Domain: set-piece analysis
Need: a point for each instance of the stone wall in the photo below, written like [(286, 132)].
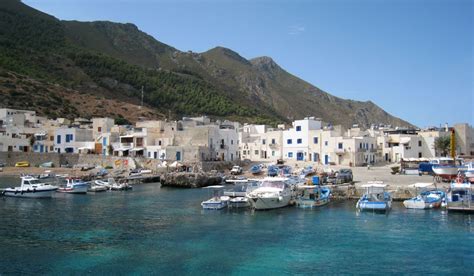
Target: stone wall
[(35, 159)]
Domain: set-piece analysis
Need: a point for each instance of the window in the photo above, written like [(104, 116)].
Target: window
[(298, 128), (256, 152), (420, 155), (51, 138), (104, 141), (273, 153), (58, 139), (99, 129), (149, 154), (263, 141), (315, 140), (289, 141), (299, 141), (51, 148), (325, 143), (273, 141), (360, 145), (159, 143), (419, 143), (290, 154), (231, 142), (69, 138), (339, 146)]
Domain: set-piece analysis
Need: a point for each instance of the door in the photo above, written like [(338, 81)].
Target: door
[(299, 156), (316, 157), (41, 148), (326, 159), (178, 156)]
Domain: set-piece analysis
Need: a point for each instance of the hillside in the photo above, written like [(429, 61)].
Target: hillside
[(113, 61)]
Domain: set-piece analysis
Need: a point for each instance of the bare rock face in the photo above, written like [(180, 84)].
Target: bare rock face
[(189, 180)]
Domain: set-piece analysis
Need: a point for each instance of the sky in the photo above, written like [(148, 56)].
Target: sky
[(413, 58)]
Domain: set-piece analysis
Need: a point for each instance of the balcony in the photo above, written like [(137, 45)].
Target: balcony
[(339, 151)]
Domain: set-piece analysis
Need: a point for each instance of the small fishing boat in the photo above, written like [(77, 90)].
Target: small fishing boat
[(426, 199), (284, 170), (73, 186), (105, 183), (238, 193), (446, 168), (375, 198), (22, 164), (123, 186), (460, 197), (256, 169), (309, 196), (217, 201), (272, 170), (97, 188), (31, 187), (272, 193)]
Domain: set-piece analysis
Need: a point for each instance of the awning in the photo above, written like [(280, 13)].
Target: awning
[(122, 149), (137, 149)]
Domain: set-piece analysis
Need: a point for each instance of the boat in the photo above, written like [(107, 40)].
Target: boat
[(272, 170), (284, 170), (256, 169), (105, 183), (272, 193), (73, 186), (123, 186), (469, 172), (460, 197), (97, 188), (426, 199), (31, 187), (238, 193), (309, 196), (22, 164), (308, 170), (217, 201), (446, 168), (375, 199)]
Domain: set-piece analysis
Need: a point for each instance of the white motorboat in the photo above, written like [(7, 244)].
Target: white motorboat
[(375, 199), (97, 188), (105, 183), (31, 188), (73, 186), (460, 197), (426, 199), (217, 201), (272, 193), (469, 173)]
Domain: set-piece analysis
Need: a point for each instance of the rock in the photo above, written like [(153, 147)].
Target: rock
[(189, 180)]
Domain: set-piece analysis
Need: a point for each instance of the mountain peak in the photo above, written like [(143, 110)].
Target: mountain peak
[(265, 63), (222, 51)]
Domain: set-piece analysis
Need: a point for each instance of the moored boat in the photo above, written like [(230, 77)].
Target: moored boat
[(73, 186), (309, 196), (97, 188), (446, 168), (272, 170), (217, 201), (426, 199), (469, 173), (460, 197), (31, 187), (375, 198), (272, 193)]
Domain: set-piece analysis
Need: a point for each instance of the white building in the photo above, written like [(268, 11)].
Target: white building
[(73, 140), (296, 139)]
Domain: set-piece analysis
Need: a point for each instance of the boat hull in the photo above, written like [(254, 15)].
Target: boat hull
[(446, 172), (267, 203), (46, 193), (216, 205), (239, 202), (78, 189), (309, 203), (374, 206), (419, 204)]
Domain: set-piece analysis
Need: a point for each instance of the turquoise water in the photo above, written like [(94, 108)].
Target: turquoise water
[(153, 230)]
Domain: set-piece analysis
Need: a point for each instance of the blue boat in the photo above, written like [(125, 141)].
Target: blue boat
[(285, 170), (375, 199), (256, 169), (309, 196), (272, 170), (427, 199)]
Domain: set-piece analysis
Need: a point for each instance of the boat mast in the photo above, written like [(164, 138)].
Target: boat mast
[(453, 145)]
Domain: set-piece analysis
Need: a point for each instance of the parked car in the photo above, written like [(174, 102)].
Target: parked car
[(236, 170), (2, 165), (344, 176)]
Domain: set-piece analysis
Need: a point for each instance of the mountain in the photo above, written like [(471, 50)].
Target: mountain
[(113, 61)]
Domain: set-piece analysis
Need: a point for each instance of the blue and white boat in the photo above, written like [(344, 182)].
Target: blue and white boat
[(217, 201), (31, 187), (272, 170), (73, 186), (309, 196), (375, 198), (426, 199), (460, 197), (256, 169)]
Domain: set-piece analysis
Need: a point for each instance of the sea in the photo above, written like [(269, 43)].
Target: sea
[(164, 231)]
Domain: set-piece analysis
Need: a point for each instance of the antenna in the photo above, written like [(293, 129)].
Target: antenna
[(142, 98)]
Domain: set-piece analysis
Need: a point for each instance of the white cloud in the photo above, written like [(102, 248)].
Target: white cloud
[(296, 29)]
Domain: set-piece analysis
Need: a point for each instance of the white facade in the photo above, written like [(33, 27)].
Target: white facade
[(296, 139), (73, 140)]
